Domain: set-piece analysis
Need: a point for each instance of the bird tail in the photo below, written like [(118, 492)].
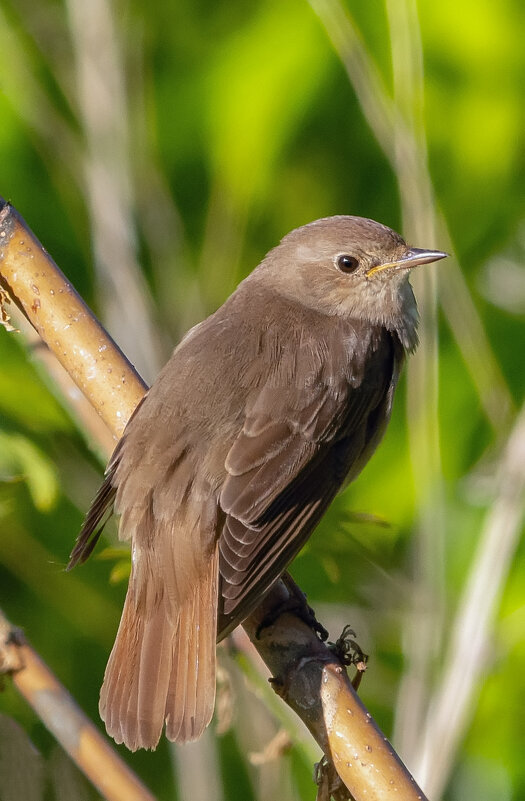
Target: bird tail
[(162, 668)]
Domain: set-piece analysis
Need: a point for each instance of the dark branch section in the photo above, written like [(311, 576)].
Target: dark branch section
[(294, 652)]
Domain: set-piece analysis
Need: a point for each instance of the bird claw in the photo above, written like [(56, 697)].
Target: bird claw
[(349, 652), (295, 604)]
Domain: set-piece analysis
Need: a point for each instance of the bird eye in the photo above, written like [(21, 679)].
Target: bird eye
[(346, 263)]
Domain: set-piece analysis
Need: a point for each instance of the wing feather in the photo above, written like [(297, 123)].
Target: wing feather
[(288, 463)]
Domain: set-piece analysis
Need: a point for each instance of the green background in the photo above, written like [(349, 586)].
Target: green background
[(158, 151)]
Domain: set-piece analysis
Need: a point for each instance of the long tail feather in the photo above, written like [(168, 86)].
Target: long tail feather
[(162, 669)]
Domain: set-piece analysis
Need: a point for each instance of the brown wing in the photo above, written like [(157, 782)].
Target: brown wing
[(101, 507), (298, 444)]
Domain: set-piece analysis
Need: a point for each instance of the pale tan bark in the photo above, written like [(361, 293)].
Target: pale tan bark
[(60, 714)]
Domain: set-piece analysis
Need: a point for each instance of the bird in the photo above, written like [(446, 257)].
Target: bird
[(264, 411)]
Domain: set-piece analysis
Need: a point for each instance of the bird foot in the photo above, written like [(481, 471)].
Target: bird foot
[(349, 652), (295, 604)]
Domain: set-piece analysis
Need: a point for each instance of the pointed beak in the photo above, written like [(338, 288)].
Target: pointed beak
[(411, 258)]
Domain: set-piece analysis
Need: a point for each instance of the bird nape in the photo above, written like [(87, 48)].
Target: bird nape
[(262, 413)]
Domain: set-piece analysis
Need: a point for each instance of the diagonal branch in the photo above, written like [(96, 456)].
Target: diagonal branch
[(67, 326), (77, 735)]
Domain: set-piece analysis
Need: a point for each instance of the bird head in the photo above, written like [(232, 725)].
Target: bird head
[(351, 267)]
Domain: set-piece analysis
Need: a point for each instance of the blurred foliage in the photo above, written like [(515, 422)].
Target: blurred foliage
[(213, 129)]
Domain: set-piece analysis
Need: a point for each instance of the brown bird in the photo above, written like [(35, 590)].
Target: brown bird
[(262, 413)]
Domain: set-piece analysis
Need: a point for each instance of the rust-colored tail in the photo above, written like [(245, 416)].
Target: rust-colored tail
[(162, 668)]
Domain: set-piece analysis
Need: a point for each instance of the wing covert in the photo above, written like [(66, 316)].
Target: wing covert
[(296, 447)]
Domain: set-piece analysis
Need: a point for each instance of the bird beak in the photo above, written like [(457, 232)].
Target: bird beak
[(411, 258)]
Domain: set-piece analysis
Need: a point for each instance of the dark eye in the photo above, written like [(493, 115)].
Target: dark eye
[(347, 264)]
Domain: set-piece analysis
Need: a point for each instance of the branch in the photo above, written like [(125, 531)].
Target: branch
[(59, 712), (300, 661), (312, 680), (61, 318)]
